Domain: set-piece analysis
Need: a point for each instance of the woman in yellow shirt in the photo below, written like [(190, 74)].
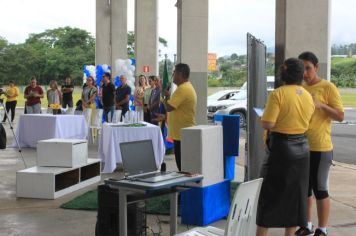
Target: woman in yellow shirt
[(329, 107), (283, 198), (11, 93)]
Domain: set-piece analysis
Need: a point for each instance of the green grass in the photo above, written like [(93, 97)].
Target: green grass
[(342, 61), (348, 99)]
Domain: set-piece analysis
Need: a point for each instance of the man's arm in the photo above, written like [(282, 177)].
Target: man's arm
[(168, 107), (331, 112)]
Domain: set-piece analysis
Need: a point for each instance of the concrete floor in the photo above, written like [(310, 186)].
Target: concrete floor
[(44, 217)]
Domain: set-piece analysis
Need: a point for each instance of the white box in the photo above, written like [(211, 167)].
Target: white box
[(54, 182), (62, 152), (202, 152)]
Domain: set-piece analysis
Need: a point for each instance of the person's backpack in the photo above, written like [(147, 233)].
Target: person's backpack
[(2, 137)]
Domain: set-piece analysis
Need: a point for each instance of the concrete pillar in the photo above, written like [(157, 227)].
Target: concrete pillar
[(118, 31), (146, 36), (192, 48), (102, 38), (303, 25), (111, 31)]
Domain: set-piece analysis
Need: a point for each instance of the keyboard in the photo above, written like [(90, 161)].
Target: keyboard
[(153, 175)]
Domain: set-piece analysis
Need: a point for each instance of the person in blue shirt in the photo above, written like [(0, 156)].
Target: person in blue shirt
[(122, 96)]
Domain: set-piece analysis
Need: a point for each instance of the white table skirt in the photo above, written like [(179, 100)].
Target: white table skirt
[(109, 148), (34, 127)]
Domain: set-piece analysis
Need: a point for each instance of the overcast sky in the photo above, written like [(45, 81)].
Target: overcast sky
[(229, 21)]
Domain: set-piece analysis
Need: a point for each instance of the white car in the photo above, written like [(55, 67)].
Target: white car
[(221, 95), (237, 104)]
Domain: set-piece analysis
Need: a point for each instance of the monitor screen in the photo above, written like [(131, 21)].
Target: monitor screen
[(138, 157)]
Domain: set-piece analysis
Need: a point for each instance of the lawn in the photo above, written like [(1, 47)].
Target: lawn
[(349, 99)]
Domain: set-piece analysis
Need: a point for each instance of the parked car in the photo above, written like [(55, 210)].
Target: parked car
[(237, 104), (221, 95)]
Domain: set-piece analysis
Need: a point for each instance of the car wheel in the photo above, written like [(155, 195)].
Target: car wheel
[(242, 118)]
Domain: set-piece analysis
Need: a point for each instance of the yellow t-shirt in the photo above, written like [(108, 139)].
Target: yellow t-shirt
[(184, 100), (13, 92), (319, 133), (290, 107)]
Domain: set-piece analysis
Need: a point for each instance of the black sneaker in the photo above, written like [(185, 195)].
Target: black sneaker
[(304, 231), (319, 232)]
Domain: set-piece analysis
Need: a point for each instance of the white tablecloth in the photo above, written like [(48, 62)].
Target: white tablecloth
[(109, 148), (34, 127)]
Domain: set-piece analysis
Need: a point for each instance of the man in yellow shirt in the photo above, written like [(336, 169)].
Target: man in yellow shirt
[(11, 93), (180, 107), (328, 107)]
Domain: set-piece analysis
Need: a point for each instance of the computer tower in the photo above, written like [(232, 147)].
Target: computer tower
[(108, 214)]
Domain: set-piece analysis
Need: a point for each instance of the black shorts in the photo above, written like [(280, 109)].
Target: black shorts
[(320, 163)]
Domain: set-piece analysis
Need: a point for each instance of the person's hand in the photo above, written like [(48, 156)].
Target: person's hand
[(159, 117), (317, 103), (167, 94)]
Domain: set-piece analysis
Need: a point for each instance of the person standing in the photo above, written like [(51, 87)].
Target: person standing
[(108, 97), (54, 96), (155, 100), (11, 93), (33, 93), (181, 107), (139, 95), (329, 107), (67, 91), (88, 98), (283, 198), (122, 96), (146, 99)]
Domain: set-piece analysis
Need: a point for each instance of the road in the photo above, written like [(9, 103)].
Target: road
[(344, 139)]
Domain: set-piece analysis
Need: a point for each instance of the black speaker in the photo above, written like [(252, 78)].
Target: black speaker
[(108, 214)]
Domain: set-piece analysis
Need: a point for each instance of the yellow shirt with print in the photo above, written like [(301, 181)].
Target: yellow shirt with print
[(290, 107), (184, 100), (12, 93), (319, 133)]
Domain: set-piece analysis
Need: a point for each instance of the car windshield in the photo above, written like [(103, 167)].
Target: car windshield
[(217, 95), (242, 95)]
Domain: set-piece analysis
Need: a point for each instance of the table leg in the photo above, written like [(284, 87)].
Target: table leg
[(122, 212), (173, 213)]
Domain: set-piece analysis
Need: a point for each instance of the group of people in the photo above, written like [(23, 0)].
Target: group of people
[(147, 97), (34, 93), (298, 119)]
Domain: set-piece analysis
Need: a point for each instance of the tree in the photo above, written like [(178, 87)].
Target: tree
[(131, 43), (234, 56)]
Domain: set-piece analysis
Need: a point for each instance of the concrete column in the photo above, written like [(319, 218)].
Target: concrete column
[(102, 39), (118, 31), (146, 36), (192, 48), (304, 25), (111, 31)]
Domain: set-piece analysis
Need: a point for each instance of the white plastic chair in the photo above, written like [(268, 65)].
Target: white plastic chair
[(242, 215), (96, 125)]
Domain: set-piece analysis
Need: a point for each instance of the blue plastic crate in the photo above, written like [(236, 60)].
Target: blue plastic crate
[(204, 205)]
